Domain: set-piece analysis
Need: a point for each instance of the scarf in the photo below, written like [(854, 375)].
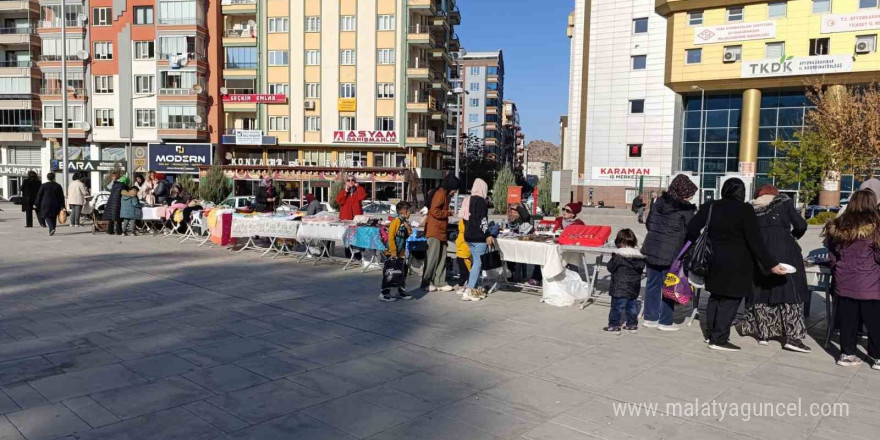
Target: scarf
[(763, 200), (479, 189)]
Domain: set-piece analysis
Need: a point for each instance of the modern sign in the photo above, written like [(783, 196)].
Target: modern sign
[(18, 170), (248, 137), (179, 158), (617, 173), (255, 99), (365, 136), (860, 21), (347, 105), (735, 32), (792, 66)]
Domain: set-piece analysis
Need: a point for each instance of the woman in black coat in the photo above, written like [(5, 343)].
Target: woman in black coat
[(49, 202), (736, 247), (777, 309), (114, 204), (29, 189)]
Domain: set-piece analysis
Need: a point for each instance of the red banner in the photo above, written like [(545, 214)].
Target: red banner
[(258, 99)]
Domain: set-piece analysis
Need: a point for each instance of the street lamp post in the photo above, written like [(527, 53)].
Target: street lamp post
[(64, 142), (701, 159)]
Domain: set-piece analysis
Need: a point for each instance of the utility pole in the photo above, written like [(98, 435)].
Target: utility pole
[(64, 94)]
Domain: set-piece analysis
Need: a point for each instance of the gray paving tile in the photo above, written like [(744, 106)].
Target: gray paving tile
[(347, 348), (355, 416), (473, 374), (274, 368), (82, 358), (24, 395), (30, 348), (529, 354), (216, 416), (8, 431), (80, 383), (235, 349), (173, 424), (90, 411), (7, 405), (267, 401), (295, 426), (159, 366), (291, 338), (225, 378), (499, 421), (538, 396), (45, 422), (432, 388), (143, 399), (408, 405), (26, 369), (434, 427)]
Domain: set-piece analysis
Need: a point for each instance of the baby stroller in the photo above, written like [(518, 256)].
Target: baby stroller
[(94, 210)]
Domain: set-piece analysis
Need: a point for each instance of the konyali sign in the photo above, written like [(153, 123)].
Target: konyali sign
[(793, 66)]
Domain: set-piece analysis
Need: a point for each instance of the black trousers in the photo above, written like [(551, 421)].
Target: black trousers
[(51, 222), (720, 312), (29, 216), (851, 313), (114, 227)]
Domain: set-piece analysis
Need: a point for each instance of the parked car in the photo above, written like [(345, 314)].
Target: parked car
[(814, 210), (379, 207), (16, 199), (237, 202)]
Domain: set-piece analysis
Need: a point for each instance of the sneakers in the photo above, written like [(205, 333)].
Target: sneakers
[(612, 330), (403, 295), (473, 294), (432, 288), (51, 232), (632, 329), (850, 360), (876, 364), (650, 324), (727, 346), (387, 297), (796, 345), (446, 288), (668, 328), (764, 341)]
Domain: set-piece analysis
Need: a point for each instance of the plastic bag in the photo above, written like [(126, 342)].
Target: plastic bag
[(676, 286), (564, 291)]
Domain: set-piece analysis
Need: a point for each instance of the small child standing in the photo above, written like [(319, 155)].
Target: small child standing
[(398, 232), (463, 257), (626, 267), (130, 211)]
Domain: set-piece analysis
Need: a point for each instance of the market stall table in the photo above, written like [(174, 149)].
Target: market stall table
[(584, 253), (273, 227), (367, 238), (320, 235)]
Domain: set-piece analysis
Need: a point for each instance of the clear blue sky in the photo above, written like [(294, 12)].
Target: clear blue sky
[(536, 52)]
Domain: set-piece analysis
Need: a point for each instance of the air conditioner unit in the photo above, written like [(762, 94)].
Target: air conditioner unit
[(309, 105), (865, 46), (729, 55)]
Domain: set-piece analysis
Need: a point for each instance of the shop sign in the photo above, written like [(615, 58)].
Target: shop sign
[(735, 32), (617, 173), (248, 137), (18, 170), (514, 195), (94, 165), (365, 136), (309, 175), (255, 99), (860, 21), (792, 66), (238, 2), (179, 158), (347, 105), (747, 169)]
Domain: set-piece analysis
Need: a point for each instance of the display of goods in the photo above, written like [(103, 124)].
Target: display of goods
[(585, 235)]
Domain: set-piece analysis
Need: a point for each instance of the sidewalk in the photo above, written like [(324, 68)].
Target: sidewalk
[(142, 338)]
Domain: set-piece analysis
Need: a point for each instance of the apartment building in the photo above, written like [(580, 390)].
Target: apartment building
[(313, 89), (512, 138), (620, 125), (482, 79)]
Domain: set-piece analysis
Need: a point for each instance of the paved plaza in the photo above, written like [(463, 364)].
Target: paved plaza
[(144, 338)]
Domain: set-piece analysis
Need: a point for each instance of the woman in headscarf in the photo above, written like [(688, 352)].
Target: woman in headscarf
[(436, 223), (29, 189), (569, 217), (737, 249), (313, 206), (777, 308), (667, 228), (266, 196), (475, 213)]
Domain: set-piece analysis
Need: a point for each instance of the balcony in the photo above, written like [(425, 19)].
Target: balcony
[(182, 130), (454, 16), (241, 36), (242, 69), (454, 44), (235, 7), (16, 68), (53, 129), (19, 133), (55, 92), (423, 6), (417, 68), (425, 138), (420, 36), (421, 102), (181, 22), (54, 25), (17, 35), (18, 6)]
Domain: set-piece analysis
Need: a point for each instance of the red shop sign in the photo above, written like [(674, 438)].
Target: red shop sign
[(259, 99)]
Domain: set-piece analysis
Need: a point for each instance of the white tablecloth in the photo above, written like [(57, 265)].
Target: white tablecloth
[(264, 226), (321, 231), (546, 255), (153, 212)]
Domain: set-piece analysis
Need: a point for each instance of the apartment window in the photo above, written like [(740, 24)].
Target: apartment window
[(867, 4), (695, 18), (347, 57), (279, 123), (279, 57), (143, 15), (104, 117), (313, 24), (693, 56), (313, 90), (347, 90), (474, 87), (386, 22), (102, 16), (348, 23), (385, 91), (473, 117), (736, 52), (144, 50), (313, 123), (144, 84), (181, 12), (313, 58), (475, 102), (636, 106), (52, 116), (819, 46), (640, 26), (869, 41), (639, 62), (385, 123), (475, 70), (734, 14), (103, 50), (778, 9), (354, 158), (145, 118), (774, 50), (492, 70), (820, 6), (279, 89), (279, 24), (103, 84), (347, 123), (385, 56)]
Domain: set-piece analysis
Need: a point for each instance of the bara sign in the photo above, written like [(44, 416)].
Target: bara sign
[(179, 158), (859, 21), (761, 30), (619, 173), (792, 66), (255, 99), (365, 136)]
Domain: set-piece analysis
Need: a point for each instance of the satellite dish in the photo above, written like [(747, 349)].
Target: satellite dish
[(70, 89), (224, 91), (86, 126), (252, 24), (83, 54), (82, 17), (228, 156), (198, 119), (197, 89), (182, 60)]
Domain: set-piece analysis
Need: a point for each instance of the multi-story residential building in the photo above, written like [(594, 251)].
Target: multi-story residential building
[(313, 89), (621, 116), (482, 78), (740, 68), (512, 138)]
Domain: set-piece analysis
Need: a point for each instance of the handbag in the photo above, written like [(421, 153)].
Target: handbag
[(491, 260), (676, 286), (394, 273), (62, 216), (699, 257)]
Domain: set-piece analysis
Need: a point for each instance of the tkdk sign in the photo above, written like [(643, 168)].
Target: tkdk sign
[(614, 173), (792, 66), (179, 158), (735, 32), (365, 136)]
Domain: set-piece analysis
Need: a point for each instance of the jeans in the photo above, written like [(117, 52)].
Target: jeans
[(128, 225), (624, 308), (435, 265), (657, 308), (641, 214), (477, 251), (75, 212), (51, 222)]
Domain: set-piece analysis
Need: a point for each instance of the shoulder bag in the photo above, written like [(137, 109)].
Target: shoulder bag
[(699, 257)]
